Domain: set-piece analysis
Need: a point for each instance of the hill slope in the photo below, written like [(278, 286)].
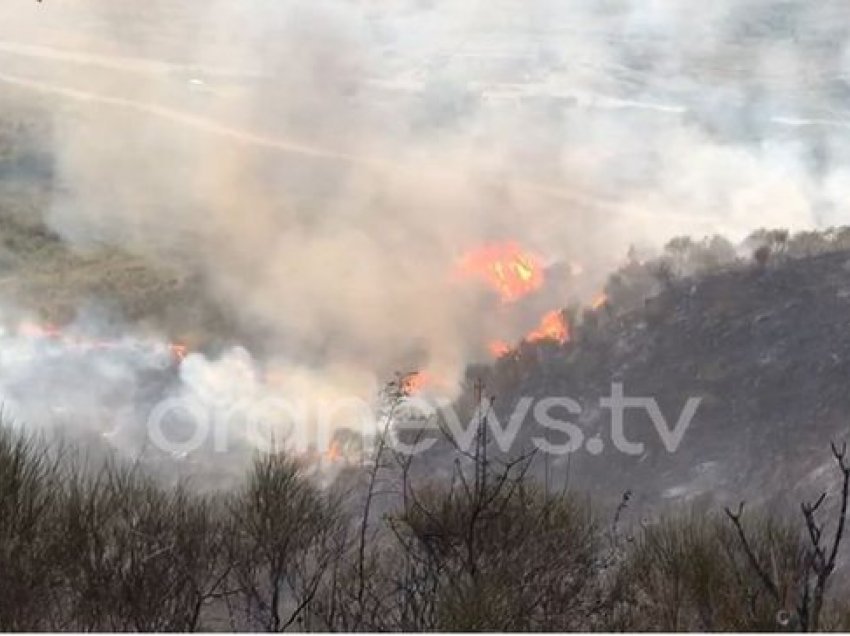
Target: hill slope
[(767, 350)]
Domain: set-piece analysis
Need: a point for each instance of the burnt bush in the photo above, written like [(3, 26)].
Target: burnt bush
[(94, 547)]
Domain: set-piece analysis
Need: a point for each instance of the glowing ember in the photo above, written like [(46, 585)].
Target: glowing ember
[(334, 453), (416, 382), (599, 301), (553, 326), (53, 333), (508, 269), (32, 330), (178, 351)]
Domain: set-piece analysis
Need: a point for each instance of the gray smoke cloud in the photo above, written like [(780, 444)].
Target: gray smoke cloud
[(325, 163)]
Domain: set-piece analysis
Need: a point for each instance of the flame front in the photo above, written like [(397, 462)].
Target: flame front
[(33, 330), (178, 351), (553, 326), (506, 268), (53, 333)]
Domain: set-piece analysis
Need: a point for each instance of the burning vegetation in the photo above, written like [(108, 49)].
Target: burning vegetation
[(514, 273), (57, 336), (506, 268), (553, 327)]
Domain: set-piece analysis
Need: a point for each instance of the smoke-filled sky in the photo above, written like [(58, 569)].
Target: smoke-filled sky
[(324, 163)]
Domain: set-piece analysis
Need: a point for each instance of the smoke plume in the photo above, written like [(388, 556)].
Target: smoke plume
[(324, 165)]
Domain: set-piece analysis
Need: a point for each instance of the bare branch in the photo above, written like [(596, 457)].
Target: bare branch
[(768, 583)]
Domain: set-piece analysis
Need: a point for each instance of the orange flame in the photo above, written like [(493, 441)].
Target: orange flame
[(599, 301), (553, 326), (499, 348), (508, 269), (178, 351), (416, 382), (334, 452), (50, 331), (33, 330)]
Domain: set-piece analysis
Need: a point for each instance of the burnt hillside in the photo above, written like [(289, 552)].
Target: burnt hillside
[(767, 349)]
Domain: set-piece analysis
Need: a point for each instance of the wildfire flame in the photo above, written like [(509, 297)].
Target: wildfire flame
[(499, 348), (178, 351), (600, 301), (416, 382), (55, 333), (334, 453), (508, 269), (553, 326), (32, 330)]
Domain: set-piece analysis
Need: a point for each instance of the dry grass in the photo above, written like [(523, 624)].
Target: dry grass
[(93, 547), (47, 278)]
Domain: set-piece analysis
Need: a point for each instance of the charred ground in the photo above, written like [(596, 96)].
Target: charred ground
[(766, 347)]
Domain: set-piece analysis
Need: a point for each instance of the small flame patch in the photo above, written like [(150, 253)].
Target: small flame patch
[(506, 268)]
